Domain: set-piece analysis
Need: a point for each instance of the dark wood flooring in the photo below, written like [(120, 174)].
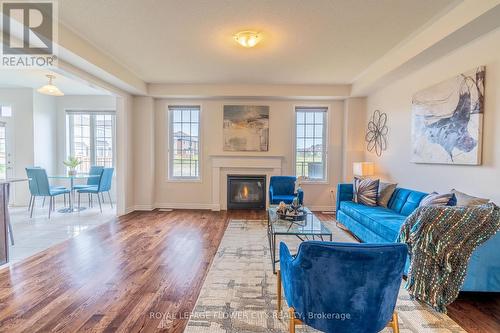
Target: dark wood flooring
[(126, 275)]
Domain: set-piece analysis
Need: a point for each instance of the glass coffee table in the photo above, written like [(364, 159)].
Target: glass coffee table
[(303, 230)]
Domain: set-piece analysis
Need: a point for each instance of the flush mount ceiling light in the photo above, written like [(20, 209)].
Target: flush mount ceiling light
[(247, 38), (50, 89)]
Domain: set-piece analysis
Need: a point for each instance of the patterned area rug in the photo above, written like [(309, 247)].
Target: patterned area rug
[(239, 293)]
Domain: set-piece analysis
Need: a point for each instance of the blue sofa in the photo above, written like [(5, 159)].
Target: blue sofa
[(381, 225)]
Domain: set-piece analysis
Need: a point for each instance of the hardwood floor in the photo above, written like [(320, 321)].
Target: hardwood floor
[(127, 275)]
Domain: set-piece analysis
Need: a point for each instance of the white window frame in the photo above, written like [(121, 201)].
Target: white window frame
[(326, 141), (170, 140), (70, 129)]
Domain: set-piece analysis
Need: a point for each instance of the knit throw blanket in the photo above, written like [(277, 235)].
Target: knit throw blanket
[(441, 241)]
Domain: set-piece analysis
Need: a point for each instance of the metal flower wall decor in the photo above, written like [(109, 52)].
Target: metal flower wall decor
[(376, 135)]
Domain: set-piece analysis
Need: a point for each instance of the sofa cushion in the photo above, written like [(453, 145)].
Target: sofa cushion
[(405, 201), (382, 221), (436, 199)]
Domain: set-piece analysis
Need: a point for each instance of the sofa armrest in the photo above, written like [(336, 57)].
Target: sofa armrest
[(344, 193)]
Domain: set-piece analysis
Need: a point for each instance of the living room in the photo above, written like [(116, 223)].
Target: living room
[(281, 166)]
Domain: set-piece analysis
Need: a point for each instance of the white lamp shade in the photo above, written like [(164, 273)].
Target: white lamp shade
[(50, 90), (363, 169)]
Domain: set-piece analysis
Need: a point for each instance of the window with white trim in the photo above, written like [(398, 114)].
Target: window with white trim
[(91, 138), (310, 143), (184, 142)]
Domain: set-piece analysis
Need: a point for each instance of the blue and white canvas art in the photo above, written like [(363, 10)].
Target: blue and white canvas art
[(447, 120)]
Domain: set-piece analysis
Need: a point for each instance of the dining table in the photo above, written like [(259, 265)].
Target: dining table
[(72, 179)]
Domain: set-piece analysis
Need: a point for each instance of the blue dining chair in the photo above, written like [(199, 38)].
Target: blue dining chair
[(96, 171), (103, 186), (33, 188), (342, 287), (39, 187)]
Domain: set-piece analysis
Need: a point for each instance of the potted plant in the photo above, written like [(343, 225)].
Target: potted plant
[(72, 163)]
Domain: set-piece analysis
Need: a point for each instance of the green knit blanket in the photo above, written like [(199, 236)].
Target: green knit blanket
[(441, 241)]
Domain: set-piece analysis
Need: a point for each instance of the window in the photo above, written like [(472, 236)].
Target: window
[(310, 145), (5, 111), (184, 149), (91, 138)]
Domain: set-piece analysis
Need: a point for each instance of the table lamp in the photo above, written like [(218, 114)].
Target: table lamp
[(363, 169)]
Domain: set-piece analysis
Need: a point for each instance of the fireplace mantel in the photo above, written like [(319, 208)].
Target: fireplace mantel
[(239, 164)]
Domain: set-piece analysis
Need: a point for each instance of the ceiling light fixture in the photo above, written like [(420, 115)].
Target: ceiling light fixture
[(50, 89), (247, 38)]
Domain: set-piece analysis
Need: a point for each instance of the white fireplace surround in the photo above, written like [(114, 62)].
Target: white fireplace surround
[(223, 165)]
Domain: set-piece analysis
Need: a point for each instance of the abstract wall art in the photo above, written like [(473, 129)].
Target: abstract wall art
[(376, 133), (246, 128), (447, 120)]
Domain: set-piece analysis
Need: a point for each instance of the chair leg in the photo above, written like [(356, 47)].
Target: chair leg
[(29, 204), (32, 206), (50, 206), (110, 201), (64, 199), (291, 312), (43, 203), (90, 200), (278, 292), (79, 201), (394, 323), (99, 200)]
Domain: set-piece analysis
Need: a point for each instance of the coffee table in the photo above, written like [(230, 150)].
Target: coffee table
[(311, 227)]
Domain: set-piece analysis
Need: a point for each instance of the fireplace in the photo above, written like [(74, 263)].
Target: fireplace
[(246, 191)]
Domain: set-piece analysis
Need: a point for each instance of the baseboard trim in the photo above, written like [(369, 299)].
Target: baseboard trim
[(321, 208), (185, 206), (203, 206), (147, 208)]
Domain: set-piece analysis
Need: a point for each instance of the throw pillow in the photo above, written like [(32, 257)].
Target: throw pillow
[(365, 191), (385, 191), (436, 199), (466, 200)]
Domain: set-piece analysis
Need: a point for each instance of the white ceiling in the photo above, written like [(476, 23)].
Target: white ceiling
[(35, 78), (304, 42)]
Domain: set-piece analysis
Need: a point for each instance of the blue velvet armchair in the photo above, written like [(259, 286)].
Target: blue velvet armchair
[(282, 188), (342, 287)]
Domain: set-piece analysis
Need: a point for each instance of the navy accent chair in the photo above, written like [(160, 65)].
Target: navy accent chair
[(39, 187), (342, 287), (95, 170), (103, 186), (282, 188)]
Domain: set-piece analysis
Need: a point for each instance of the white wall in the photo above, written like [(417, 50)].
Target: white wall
[(281, 143), (395, 100), (45, 132)]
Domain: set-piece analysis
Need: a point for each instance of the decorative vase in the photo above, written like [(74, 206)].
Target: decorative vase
[(71, 172)]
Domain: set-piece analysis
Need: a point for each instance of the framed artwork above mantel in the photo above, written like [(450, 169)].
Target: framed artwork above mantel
[(246, 128)]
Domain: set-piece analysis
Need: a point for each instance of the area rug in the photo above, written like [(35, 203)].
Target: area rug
[(239, 293)]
